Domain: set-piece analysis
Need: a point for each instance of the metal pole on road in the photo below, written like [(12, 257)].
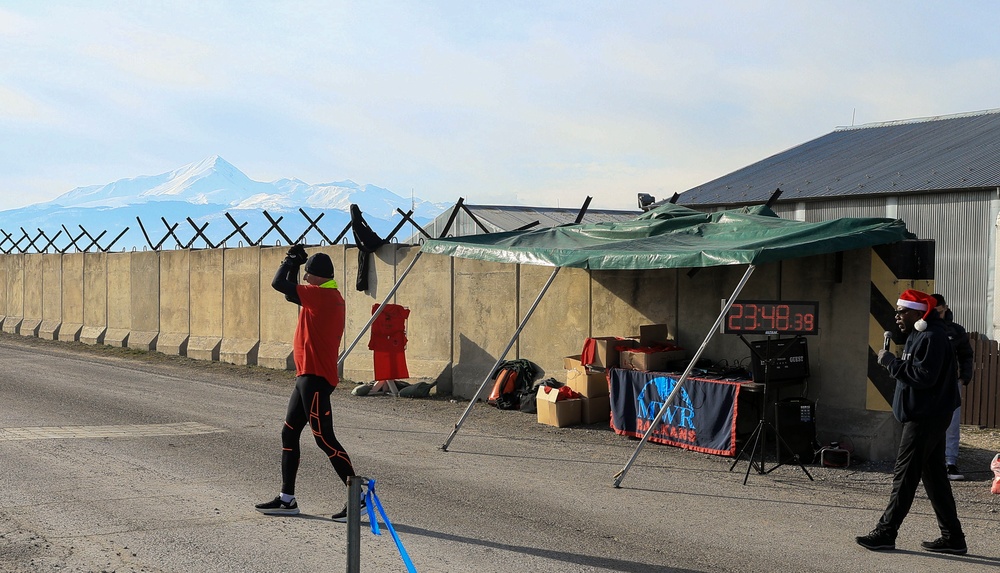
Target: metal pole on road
[(354, 484)]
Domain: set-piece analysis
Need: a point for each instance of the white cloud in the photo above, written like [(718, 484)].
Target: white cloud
[(541, 103), (16, 106)]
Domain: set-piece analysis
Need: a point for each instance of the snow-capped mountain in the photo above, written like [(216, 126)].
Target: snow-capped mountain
[(212, 181), (205, 192)]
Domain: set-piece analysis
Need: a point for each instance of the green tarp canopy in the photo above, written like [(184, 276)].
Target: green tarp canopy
[(673, 236)]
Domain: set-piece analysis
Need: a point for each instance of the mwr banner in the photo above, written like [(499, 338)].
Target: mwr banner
[(702, 417)]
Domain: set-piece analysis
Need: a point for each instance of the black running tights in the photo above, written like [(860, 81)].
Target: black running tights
[(310, 404)]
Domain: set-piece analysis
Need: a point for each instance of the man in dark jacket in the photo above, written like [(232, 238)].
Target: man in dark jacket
[(966, 366), (925, 397)]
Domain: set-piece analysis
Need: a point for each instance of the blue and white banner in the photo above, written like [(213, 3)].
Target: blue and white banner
[(701, 418)]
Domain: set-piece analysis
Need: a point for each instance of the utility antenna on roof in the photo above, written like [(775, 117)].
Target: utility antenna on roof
[(853, 114)]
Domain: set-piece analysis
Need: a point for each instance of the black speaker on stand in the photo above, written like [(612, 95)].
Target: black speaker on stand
[(770, 357), (795, 421)]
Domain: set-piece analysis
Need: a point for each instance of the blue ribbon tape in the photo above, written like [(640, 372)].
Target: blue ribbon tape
[(371, 502)]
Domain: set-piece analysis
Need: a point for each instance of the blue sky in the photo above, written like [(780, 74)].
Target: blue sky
[(535, 103)]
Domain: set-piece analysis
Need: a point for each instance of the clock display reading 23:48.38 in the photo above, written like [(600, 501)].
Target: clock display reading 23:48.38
[(772, 317)]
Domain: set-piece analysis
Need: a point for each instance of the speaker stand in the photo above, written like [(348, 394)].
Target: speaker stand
[(758, 438)]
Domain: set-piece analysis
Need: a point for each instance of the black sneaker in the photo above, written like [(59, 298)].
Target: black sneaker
[(278, 507), (341, 516), (877, 540), (954, 474), (942, 545)]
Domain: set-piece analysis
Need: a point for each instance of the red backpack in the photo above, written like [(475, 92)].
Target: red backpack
[(506, 393), (513, 378)]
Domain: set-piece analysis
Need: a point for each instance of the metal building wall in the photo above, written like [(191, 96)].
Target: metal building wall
[(963, 225), (785, 210), (857, 207)]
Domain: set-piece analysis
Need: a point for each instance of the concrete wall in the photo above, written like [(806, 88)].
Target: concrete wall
[(71, 318), (51, 298), (175, 302), (144, 294), (119, 296), (206, 304), (561, 320), (359, 363), (241, 291), (277, 315), (14, 282), (463, 314), (34, 275), (95, 298), (427, 292), (485, 314)]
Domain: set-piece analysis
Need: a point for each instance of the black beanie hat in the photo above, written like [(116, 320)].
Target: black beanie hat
[(320, 265)]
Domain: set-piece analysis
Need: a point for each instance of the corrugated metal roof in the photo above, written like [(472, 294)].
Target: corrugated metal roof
[(953, 152), (507, 217), (498, 218)]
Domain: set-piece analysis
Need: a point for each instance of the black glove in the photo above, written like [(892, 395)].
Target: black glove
[(296, 255)]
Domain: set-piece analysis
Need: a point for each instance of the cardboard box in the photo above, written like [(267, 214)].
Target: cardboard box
[(571, 362), (605, 353), (588, 382), (652, 334), (596, 410), (649, 361), (559, 413)]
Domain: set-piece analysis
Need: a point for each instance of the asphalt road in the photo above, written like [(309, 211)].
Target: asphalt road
[(114, 461)]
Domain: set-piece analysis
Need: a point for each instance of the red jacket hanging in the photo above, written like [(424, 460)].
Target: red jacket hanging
[(388, 342)]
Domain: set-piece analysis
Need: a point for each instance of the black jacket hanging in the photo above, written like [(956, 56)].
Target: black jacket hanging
[(368, 242)]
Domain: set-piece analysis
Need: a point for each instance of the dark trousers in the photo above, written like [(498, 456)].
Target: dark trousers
[(310, 404), (921, 457)]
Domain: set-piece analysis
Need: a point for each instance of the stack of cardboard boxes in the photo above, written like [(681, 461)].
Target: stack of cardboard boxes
[(592, 385), (654, 351), (591, 381), (592, 406)]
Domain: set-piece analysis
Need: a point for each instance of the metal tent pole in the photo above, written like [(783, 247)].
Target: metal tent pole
[(620, 476), (489, 375)]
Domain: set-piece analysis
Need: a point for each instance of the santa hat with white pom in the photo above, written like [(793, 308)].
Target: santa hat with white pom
[(918, 301)]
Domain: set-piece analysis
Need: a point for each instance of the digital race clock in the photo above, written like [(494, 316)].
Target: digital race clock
[(772, 317)]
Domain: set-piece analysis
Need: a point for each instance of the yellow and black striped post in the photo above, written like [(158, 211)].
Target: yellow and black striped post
[(895, 268)]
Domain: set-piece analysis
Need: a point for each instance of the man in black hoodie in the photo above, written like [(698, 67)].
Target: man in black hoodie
[(959, 339), (925, 397)]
